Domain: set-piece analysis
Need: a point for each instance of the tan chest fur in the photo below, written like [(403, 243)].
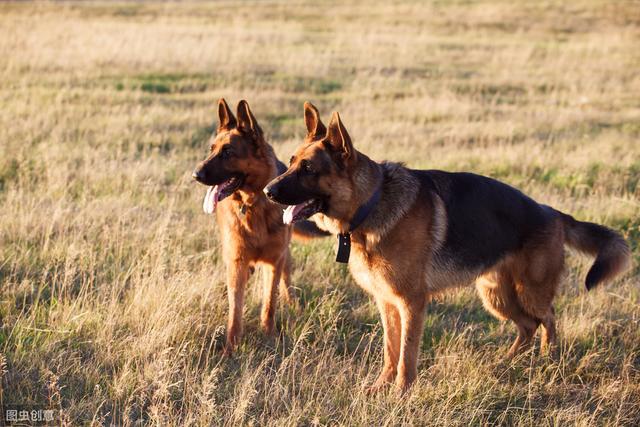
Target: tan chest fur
[(255, 235), (372, 275)]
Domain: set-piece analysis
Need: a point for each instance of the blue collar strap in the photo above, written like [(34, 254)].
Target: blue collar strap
[(344, 239)]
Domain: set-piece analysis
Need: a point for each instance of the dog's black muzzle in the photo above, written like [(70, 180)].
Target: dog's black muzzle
[(286, 190)]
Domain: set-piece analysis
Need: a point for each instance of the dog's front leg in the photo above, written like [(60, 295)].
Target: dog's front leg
[(270, 296), (237, 276), (392, 332), (286, 291), (412, 324)]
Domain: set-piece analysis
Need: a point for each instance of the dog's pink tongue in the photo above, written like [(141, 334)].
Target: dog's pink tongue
[(211, 199), (290, 213)]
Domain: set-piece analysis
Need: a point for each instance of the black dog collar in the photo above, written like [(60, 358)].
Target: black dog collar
[(344, 239)]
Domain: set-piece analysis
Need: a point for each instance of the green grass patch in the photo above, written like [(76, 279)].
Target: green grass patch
[(167, 83)]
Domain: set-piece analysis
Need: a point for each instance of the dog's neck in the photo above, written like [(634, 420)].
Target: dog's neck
[(367, 179), (398, 191), (251, 193)]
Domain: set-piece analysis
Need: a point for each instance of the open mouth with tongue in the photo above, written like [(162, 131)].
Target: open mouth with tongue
[(216, 193), (300, 211)]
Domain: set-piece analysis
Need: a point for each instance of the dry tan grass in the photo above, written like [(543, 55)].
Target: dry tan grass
[(112, 301)]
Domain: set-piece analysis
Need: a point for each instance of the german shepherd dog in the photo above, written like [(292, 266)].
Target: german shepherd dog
[(239, 165), (417, 233)]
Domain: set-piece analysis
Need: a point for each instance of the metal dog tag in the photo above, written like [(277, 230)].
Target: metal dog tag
[(344, 248)]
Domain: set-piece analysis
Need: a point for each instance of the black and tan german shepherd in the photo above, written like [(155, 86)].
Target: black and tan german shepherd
[(417, 233), (240, 163)]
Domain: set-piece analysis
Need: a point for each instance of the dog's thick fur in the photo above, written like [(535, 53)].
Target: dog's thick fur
[(434, 230), (251, 228)]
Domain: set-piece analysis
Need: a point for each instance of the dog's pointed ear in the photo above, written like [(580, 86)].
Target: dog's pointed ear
[(246, 120), (315, 127), (339, 138), (226, 121)]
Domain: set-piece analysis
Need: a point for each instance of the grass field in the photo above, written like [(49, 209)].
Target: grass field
[(112, 300)]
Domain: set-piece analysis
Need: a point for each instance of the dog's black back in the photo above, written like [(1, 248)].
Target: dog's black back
[(486, 218)]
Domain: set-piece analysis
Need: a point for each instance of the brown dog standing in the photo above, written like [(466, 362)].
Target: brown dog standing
[(238, 167), (415, 234)]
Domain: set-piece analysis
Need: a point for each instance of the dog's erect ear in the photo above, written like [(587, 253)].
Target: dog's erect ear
[(226, 121), (246, 120), (339, 138), (315, 127)]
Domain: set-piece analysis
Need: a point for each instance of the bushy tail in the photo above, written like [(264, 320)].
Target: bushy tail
[(305, 230), (612, 252)]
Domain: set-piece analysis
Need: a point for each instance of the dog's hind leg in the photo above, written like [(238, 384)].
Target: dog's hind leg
[(536, 296), (526, 331), (272, 273), (499, 297), (237, 276), (537, 274), (392, 333)]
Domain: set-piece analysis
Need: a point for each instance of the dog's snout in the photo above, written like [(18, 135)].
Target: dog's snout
[(198, 175), (270, 192)]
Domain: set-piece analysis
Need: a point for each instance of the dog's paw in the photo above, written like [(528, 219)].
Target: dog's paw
[(227, 351), (402, 389), (404, 383), (268, 327), (374, 389), (377, 387), (229, 347)]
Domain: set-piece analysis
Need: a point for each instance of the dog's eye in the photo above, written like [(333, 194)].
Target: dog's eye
[(226, 153), (307, 167)]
